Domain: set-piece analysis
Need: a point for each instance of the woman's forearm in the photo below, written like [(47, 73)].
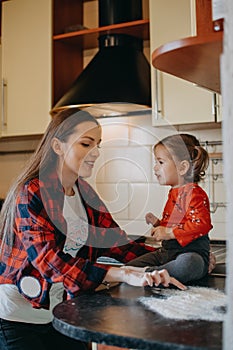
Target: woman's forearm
[(138, 277)]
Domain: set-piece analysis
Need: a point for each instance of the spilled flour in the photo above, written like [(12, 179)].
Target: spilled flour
[(196, 303)]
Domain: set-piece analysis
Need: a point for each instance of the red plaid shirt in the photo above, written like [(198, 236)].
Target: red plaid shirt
[(40, 233)]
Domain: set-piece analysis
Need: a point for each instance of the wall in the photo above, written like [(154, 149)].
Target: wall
[(123, 175)]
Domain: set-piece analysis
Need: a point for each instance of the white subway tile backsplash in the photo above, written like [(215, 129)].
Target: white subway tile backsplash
[(216, 167), (98, 172), (219, 215), (218, 193), (132, 164), (141, 131), (146, 198), (139, 197), (218, 231), (116, 198), (114, 132)]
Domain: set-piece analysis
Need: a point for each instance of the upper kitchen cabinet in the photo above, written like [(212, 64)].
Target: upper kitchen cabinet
[(26, 66), (176, 101)]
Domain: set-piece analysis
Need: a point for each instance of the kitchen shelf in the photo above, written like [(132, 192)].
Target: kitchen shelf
[(195, 59), (88, 38)]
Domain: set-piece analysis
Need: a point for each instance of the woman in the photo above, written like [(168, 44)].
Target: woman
[(53, 227)]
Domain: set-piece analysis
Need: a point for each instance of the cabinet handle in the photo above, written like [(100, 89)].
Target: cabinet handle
[(158, 95), (4, 118), (215, 107)]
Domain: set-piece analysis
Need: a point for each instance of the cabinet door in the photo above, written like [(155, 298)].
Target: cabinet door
[(174, 100), (26, 66)]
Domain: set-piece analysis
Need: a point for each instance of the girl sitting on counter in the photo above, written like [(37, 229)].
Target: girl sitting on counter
[(180, 162)]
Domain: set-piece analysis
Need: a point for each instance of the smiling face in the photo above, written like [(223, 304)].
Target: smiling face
[(78, 154), (166, 168)]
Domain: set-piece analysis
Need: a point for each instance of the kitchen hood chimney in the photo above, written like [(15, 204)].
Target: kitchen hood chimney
[(119, 72)]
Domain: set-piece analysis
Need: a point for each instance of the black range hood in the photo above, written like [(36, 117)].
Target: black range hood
[(119, 72)]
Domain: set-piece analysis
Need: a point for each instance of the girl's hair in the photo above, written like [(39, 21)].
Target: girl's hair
[(61, 127), (187, 147)]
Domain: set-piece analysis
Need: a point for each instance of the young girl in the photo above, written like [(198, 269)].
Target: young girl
[(180, 162)]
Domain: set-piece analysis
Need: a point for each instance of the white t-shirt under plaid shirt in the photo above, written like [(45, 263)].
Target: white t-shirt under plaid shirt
[(77, 223)]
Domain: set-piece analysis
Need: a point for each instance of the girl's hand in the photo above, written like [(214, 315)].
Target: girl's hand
[(161, 233), (152, 219)]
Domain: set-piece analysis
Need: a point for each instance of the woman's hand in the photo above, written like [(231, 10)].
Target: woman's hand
[(161, 233), (156, 278), (138, 277)]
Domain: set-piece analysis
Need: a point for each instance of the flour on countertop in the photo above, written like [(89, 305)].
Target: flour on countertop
[(196, 303)]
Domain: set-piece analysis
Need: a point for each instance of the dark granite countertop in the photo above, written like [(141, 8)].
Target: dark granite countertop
[(115, 317)]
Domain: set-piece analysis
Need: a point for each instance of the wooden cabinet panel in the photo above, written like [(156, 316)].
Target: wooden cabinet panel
[(26, 66)]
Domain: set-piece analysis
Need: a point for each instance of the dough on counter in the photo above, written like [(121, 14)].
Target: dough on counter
[(195, 303)]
